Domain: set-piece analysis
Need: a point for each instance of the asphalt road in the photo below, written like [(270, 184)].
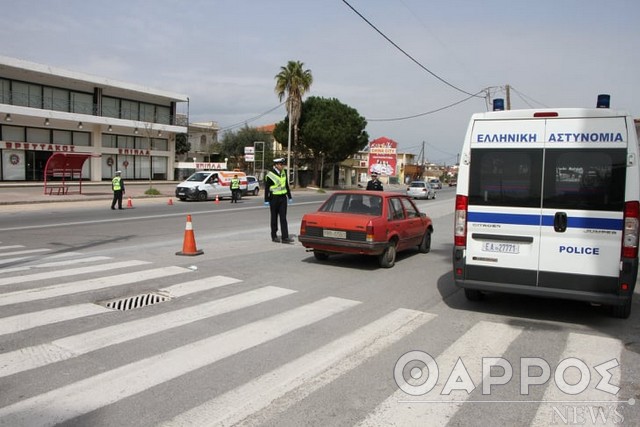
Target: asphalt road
[(259, 333)]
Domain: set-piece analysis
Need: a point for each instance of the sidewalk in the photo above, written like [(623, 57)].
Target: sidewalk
[(25, 193)]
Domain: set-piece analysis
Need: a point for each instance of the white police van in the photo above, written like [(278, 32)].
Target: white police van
[(547, 205)]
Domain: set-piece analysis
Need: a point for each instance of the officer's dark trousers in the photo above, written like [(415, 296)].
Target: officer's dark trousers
[(278, 206), (117, 197)]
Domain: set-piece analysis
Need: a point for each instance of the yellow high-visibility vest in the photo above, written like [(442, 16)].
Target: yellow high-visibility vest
[(279, 186), (116, 183)]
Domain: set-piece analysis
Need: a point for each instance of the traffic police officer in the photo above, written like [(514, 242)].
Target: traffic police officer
[(276, 195), (117, 185), (235, 189), (374, 184)]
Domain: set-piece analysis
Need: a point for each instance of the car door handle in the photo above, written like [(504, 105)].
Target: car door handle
[(560, 222)]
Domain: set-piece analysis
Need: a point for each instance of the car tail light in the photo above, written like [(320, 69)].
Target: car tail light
[(630, 232), (370, 231), (460, 221), (303, 227)]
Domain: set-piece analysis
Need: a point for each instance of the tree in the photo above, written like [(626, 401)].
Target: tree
[(182, 144), (293, 81), (233, 144), (330, 132)]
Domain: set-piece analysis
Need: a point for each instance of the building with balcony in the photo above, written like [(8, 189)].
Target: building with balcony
[(114, 125)]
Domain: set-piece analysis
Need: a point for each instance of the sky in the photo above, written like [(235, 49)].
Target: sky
[(224, 55)]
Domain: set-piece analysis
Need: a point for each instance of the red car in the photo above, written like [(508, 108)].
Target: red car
[(366, 222)]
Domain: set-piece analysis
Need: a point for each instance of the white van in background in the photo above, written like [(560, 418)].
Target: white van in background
[(206, 185), (547, 204)]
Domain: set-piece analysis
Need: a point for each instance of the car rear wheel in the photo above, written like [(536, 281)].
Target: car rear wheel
[(473, 294), (387, 259), (202, 196), (425, 244), (320, 256)]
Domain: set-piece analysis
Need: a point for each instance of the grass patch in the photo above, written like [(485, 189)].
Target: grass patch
[(152, 192)]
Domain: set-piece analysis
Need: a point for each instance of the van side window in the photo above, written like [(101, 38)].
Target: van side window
[(505, 177), (585, 179)]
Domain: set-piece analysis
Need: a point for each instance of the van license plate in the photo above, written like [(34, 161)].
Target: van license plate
[(503, 248), (335, 234)]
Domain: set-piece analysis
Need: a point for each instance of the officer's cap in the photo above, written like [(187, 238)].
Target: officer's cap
[(118, 172), (279, 160)]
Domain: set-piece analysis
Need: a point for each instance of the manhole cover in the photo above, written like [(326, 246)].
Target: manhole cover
[(136, 301)]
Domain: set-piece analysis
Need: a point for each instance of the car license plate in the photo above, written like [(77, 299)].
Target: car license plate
[(503, 248), (335, 234)]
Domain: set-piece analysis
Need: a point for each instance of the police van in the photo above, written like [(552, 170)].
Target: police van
[(547, 204)]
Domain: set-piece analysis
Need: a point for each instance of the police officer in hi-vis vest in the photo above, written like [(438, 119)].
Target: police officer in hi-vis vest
[(277, 195), (235, 189), (117, 185)]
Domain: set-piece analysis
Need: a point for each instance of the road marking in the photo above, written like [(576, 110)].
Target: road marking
[(4, 248), (593, 351), (56, 264), (69, 288), (29, 259), (305, 374), (23, 322), (27, 251), (84, 396), (37, 356), (70, 272), (485, 339)]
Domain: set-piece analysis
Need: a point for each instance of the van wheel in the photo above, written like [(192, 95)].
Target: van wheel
[(425, 244), (182, 199), (320, 256), (202, 196), (256, 191), (622, 311), (473, 295), (387, 259)]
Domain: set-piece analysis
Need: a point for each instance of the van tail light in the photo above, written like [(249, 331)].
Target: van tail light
[(370, 232), (630, 232), (460, 221), (303, 227)]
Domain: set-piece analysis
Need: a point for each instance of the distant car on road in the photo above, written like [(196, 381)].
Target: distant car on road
[(421, 190), (375, 223), (253, 185), (435, 183)]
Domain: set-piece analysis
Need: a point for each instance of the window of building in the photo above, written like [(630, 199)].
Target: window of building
[(82, 139), (110, 107), (55, 99), (81, 103), (163, 115), (13, 133), (129, 110), (109, 141), (147, 112), (5, 91), (62, 137), (125, 141), (36, 135), (26, 94)]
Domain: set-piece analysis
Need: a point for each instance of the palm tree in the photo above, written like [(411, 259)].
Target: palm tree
[(293, 81)]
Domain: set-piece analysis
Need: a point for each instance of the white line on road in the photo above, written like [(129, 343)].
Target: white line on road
[(95, 392), (305, 374)]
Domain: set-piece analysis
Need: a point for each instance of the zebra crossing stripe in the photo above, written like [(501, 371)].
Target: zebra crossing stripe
[(56, 264), (71, 272), (23, 322), (37, 356), (4, 248), (84, 396), (305, 374), (69, 288), (26, 258), (593, 351), (485, 339), (26, 251)]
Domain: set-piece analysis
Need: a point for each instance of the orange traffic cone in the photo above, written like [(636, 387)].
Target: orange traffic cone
[(129, 203), (170, 202), (189, 245), (217, 200)]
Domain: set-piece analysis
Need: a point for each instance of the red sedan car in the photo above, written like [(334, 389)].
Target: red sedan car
[(366, 222)]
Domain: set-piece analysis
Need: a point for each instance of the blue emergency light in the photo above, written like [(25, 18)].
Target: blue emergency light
[(498, 104), (603, 100)]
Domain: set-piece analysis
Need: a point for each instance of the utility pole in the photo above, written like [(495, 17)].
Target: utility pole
[(508, 90)]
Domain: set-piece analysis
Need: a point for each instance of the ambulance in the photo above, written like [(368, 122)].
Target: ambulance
[(547, 204), (207, 185)]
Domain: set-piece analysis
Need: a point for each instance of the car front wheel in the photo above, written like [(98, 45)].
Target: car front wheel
[(256, 191), (202, 196), (387, 259)]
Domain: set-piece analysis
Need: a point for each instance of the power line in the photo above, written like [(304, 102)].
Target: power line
[(244, 122), (405, 53), (425, 113)]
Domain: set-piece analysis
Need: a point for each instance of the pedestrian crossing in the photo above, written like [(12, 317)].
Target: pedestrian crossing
[(269, 395)]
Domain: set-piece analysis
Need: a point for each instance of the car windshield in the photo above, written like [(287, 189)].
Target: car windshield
[(198, 176), (364, 204)]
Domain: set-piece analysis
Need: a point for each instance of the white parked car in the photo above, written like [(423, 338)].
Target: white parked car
[(253, 185), (435, 183), (421, 190)]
